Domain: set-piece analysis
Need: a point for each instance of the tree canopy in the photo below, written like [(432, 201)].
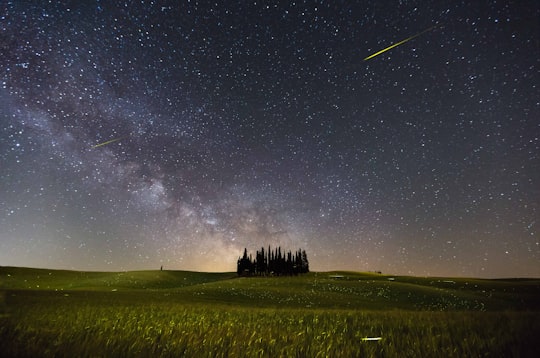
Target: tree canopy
[(273, 262)]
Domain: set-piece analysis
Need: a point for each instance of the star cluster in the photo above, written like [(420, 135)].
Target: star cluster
[(250, 124)]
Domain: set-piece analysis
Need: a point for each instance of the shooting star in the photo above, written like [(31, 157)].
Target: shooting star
[(399, 43), (107, 142)]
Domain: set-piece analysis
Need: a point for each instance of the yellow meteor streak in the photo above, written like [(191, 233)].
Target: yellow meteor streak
[(107, 142), (397, 44)]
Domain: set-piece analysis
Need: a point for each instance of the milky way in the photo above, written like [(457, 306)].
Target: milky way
[(141, 134)]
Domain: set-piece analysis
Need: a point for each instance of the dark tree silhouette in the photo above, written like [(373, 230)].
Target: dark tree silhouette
[(244, 266), (304, 262), (273, 262)]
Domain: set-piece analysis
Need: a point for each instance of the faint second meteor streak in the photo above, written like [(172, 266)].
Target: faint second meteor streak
[(107, 142), (397, 44)]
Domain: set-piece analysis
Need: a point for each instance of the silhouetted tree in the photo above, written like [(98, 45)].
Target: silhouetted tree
[(273, 262), (305, 262), (261, 263), (244, 266)]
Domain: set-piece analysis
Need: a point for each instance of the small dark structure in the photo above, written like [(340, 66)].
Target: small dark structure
[(273, 263)]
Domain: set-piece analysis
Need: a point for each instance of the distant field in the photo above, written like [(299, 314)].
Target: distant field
[(334, 314)]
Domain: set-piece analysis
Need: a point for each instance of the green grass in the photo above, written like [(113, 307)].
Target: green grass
[(178, 313), (42, 279)]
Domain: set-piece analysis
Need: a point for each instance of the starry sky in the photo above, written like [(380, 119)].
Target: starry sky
[(247, 124)]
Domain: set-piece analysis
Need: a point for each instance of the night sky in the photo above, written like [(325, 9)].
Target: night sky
[(237, 125)]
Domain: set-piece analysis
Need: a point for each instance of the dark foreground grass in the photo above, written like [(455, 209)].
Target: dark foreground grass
[(254, 318), (82, 328)]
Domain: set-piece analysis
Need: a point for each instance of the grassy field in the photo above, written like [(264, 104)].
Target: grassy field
[(178, 313)]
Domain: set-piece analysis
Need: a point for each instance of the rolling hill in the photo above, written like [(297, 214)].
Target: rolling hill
[(339, 290)]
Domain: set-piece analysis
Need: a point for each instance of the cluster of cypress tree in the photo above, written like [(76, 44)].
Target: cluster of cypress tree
[(273, 262)]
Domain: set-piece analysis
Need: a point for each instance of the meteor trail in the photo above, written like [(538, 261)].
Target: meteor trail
[(107, 142), (397, 44)]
